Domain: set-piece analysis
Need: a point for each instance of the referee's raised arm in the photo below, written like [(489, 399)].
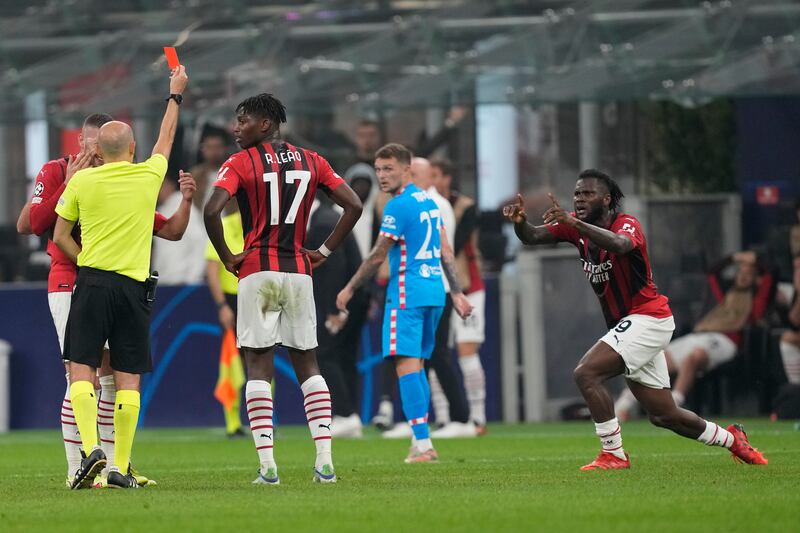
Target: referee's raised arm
[(166, 136)]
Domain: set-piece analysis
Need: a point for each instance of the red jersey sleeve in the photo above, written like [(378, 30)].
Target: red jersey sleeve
[(329, 180), (158, 222), (230, 174), (629, 227), (46, 192), (564, 233)]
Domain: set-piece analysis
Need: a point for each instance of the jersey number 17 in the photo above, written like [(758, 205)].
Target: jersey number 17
[(292, 176)]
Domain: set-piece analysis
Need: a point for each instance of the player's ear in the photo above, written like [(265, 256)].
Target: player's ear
[(266, 125)]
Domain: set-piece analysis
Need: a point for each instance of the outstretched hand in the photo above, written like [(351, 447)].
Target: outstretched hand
[(516, 212), (556, 214)]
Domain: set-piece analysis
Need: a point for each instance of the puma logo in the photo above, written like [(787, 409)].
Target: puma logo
[(266, 436), (328, 427)]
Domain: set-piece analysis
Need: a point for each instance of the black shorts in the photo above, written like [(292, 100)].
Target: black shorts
[(107, 305)]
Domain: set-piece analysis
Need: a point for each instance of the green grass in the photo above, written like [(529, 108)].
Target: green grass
[(519, 478)]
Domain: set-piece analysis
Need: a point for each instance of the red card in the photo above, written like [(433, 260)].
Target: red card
[(172, 57)]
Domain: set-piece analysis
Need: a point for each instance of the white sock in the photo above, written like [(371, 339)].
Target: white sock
[(678, 397), (610, 435), (317, 403), (105, 418), (69, 430), (441, 407), (715, 435), (475, 386), (790, 353), (424, 445), (258, 395), (626, 402)]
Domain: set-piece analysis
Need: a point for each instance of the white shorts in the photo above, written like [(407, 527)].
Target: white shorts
[(719, 347), (276, 308), (641, 340), (59, 310), (471, 329), (60, 303)]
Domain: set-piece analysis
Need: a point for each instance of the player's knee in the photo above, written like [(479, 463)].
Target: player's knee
[(664, 420), (584, 376)]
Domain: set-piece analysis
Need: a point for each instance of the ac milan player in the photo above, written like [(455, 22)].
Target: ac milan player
[(39, 217), (613, 253), (274, 183)]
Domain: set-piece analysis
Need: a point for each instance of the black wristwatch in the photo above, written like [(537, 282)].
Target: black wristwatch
[(177, 97)]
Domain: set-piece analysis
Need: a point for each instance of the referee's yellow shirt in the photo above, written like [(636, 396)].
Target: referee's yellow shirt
[(115, 204), (232, 227)]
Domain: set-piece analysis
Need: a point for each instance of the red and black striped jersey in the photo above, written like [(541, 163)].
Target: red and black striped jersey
[(275, 184), (623, 282)]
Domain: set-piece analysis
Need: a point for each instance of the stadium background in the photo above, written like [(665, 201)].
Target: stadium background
[(691, 106)]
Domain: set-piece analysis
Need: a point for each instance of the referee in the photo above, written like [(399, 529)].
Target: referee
[(114, 204)]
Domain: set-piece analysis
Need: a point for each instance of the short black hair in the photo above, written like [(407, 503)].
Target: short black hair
[(610, 184), (398, 151), (97, 119), (263, 105)]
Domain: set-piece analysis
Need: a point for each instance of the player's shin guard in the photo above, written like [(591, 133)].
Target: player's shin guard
[(84, 405), (69, 431), (126, 417), (610, 435), (475, 385), (317, 403), (715, 435), (441, 407), (258, 395), (415, 408), (105, 418)]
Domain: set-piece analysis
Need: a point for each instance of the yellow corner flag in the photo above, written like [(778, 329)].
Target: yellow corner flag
[(231, 376)]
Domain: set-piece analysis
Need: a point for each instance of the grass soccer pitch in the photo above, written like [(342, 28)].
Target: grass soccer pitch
[(518, 478)]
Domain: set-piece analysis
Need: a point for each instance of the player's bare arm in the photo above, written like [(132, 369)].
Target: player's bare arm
[(175, 225), (366, 271), (601, 237), (526, 232), (166, 136), (213, 223), (460, 302), (24, 220), (62, 236), (349, 201)]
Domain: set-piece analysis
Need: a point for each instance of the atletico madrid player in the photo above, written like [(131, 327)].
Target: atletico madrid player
[(613, 254)]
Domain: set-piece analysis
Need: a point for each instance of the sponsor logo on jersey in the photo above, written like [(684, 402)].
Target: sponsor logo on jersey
[(390, 222)]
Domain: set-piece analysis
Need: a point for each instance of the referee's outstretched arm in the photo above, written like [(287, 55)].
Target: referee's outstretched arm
[(177, 83)]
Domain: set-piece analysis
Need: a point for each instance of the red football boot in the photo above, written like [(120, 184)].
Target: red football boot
[(608, 461), (741, 450)]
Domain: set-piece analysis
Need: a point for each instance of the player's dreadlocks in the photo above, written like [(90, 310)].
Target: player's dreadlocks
[(263, 105), (611, 185)]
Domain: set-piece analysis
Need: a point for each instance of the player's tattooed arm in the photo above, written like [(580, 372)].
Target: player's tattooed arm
[(526, 232), (449, 263), (62, 236), (366, 271), (607, 240)]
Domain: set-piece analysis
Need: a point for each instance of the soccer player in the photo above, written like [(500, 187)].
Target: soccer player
[(39, 217), (274, 183), (114, 203), (613, 254), (415, 296)]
